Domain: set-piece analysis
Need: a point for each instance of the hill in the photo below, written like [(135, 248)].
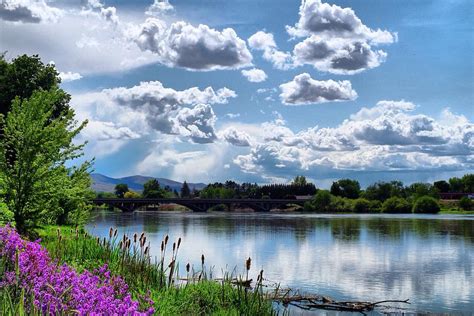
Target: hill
[(102, 183)]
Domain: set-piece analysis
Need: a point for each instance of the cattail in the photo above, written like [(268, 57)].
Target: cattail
[(128, 244), (142, 235), (202, 259), (179, 242), (188, 267), (135, 238), (166, 239), (120, 244), (98, 240), (146, 250), (171, 263), (248, 264), (59, 232), (104, 241), (162, 246), (174, 246), (111, 232), (115, 232)]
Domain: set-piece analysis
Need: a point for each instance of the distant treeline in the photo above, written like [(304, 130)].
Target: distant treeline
[(345, 195)]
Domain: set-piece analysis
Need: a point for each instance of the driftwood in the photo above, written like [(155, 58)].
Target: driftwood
[(309, 302)]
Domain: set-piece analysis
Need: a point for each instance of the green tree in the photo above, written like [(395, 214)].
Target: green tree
[(442, 186), (468, 183), (346, 188), (185, 191), (26, 74), (153, 190), (131, 195), (38, 180), (320, 203), (426, 204), (120, 189), (466, 203), (456, 184), (383, 190), (361, 206), (300, 180), (396, 205), (419, 189)]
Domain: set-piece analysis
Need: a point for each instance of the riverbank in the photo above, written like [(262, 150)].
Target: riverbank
[(147, 281)]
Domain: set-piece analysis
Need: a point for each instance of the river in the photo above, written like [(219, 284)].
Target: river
[(426, 258)]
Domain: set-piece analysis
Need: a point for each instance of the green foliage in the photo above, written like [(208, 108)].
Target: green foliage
[(120, 189), (300, 180), (466, 203), (6, 216), (346, 188), (131, 195), (426, 204), (442, 186), (418, 189), (383, 190), (362, 206), (185, 191), (456, 184), (39, 187), (213, 192), (468, 183), (153, 190), (26, 74), (396, 205), (340, 204), (321, 202)]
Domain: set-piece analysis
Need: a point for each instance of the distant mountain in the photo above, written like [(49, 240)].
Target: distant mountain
[(101, 183)]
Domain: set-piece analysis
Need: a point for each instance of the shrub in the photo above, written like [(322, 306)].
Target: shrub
[(6, 216), (361, 206), (340, 204), (426, 204), (396, 205), (466, 203)]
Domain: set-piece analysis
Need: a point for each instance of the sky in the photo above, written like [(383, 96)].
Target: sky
[(261, 91)]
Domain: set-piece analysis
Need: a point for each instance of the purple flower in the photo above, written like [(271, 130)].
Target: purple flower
[(59, 288)]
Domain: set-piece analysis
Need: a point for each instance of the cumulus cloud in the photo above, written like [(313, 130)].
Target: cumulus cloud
[(385, 137), (151, 107), (305, 90), (69, 76), (28, 11), (235, 137), (265, 42), (254, 75), (159, 7), (192, 47), (331, 21), (336, 41)]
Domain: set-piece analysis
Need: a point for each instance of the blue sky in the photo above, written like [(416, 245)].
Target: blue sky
[(362, 89)]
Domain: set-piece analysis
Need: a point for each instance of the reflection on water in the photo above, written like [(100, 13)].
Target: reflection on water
[(427, 258)]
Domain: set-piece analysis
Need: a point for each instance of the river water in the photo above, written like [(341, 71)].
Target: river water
[(426, 258)]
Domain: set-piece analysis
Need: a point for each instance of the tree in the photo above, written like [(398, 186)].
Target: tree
[(383, 190), (121, 189), (185, 191), (300, 180), (396, 205), (346, 188), (361, 206), (442, 186), (153, 190), (25, 75), (468, 183), (39, 186), (321, 202), (131, 195), (426, 204), (466, 203), (456, 184), (419, 189)]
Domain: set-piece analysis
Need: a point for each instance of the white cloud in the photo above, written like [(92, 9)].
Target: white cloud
[(69, 76), (236, 137), (192, 47), (336, 41), (150, 107), (305, 90), (28, 11), (265, 42), (331, 21), (254, 75), (159, 7), (386, 137), (232, 115)]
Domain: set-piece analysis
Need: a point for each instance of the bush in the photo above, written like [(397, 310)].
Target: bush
[(6, 216), (466, 203), (426, 204), (361, 206), (340, 204), (396, 205)]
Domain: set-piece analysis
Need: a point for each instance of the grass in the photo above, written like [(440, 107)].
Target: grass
[(128, 256)]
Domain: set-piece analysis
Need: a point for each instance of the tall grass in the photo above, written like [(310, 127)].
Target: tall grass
[(196, 293)]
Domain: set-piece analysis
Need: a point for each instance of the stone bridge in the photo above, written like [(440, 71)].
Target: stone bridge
[(199, 205)]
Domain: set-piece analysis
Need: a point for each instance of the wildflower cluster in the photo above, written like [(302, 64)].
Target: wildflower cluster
[(58, 288)]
